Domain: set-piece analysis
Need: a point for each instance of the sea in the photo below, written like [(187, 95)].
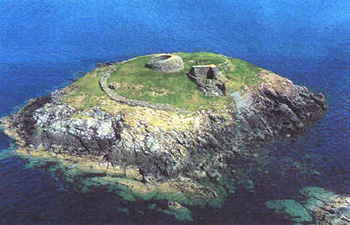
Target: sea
[(44, 45)]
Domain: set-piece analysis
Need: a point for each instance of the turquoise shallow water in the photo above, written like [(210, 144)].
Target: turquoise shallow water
[(46, 44)]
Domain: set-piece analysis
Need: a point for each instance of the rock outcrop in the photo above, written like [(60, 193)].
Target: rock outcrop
[(202, 150), (151, 149), (337, 212), (146, 148), (315, 205)]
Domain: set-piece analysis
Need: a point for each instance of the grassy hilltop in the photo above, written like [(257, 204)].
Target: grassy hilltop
[(134, 81)]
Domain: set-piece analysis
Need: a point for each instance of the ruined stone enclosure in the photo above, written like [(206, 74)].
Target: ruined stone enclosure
[(207, 79), (166, 63)]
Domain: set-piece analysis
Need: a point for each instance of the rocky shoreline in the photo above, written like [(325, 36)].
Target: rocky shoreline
[(50, 124), (200, 151)]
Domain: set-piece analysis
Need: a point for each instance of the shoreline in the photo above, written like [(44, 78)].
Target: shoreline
[(187, 162)]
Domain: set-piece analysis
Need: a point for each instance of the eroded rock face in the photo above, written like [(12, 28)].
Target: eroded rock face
[(204, 150), (63, 130), (206, 77)]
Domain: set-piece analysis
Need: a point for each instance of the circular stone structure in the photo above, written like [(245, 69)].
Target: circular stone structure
[(165, 63)]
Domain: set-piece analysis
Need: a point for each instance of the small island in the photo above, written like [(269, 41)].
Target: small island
[(164, 128)]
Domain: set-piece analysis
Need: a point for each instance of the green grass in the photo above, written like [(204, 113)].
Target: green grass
[(244, 73), (86, 93), (135, 81)]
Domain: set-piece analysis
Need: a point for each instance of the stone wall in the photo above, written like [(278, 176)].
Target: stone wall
[(166, 63), (206, 78), (121, 99)]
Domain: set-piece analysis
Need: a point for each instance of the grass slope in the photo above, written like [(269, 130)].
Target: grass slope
[(133, 80)]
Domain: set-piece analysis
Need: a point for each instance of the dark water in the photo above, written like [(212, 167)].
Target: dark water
[(45, 44)]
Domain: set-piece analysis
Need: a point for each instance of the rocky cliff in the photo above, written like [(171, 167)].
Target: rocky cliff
[(198, 146), (204, 148)]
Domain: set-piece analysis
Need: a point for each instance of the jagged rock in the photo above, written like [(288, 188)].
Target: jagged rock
[(161, 146), (242, 102), (51, 124), (337, 212), (318, 205), (272, 108)]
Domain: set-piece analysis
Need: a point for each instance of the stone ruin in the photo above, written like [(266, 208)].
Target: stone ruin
[(166, 63), (205, 76), (207, 79)]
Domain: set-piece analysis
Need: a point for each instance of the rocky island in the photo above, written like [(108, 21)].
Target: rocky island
[(164, 127)]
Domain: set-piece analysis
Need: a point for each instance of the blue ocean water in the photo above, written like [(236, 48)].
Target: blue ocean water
[(46, 44)]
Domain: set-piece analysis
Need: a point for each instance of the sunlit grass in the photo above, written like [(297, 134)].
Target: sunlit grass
[(140, 83)]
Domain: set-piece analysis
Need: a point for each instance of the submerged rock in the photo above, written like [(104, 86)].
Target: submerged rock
[(297, 212), (316, 205)]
